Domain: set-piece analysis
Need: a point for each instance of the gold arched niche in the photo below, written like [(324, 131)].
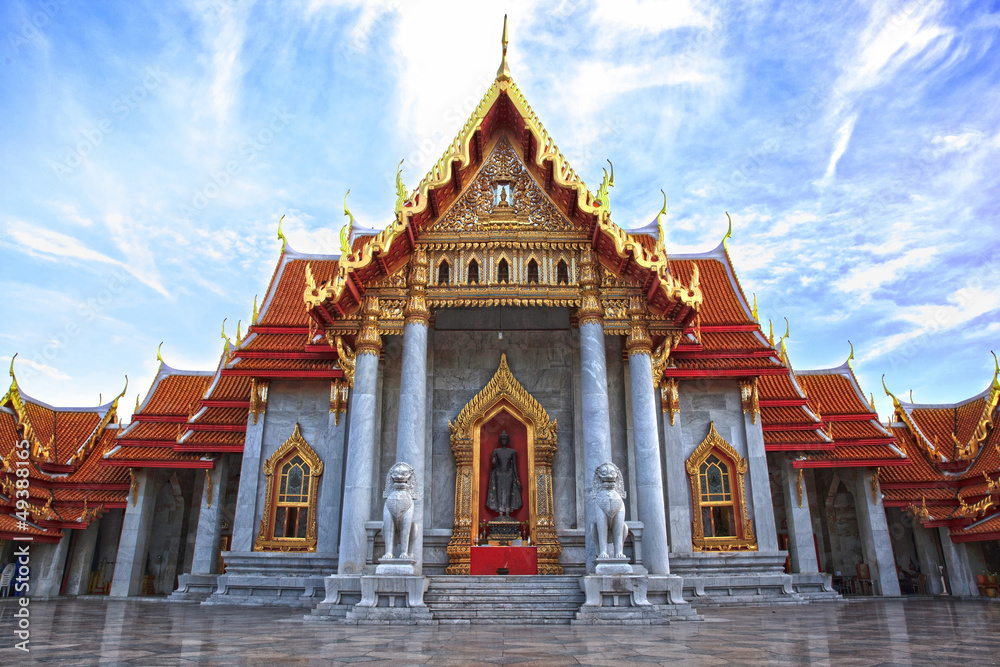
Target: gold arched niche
[(504, 393)]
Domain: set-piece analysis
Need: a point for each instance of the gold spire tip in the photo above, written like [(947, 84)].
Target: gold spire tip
[(503, 73)]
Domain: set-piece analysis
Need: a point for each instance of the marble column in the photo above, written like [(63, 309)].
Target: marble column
[(678, 485), (594, 390), (82, 559), (360, 446), (928, 558), (130, 563), (801, 546), (875, 539), (245, 521), (961, 579), (209, 529), (50, 562), (411, 430), (760, 485), (649, 479)]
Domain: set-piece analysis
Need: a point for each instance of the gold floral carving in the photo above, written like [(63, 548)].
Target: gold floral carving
[(416, 302), (590, 292), (346, 357), (750, 398), (503, 393), (660, 358), (874, 484), (502, 196), (208, 488), (670, 400), (338, 399), (798, 487), (315, 294), (258, 398), (919, 512), (638, 341), (265, 540), (715, 442), (369, 341), (133, 486)]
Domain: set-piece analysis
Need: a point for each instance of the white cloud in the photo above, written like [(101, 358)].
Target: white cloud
[(37, 367), (865, 279), (842, 138)]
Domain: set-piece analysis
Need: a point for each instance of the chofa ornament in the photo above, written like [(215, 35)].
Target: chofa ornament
[(397, 517), (608, 494)]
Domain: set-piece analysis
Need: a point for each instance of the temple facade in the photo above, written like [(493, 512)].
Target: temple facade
[(659, 450)]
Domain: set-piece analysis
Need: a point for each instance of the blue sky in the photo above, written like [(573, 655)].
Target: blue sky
[(856, 148)]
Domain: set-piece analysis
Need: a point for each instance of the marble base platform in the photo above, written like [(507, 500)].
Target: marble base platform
[(623, 599), (381, 599), (194, 587), (273, 578), (746, 578)]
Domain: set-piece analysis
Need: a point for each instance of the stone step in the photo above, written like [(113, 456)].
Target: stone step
[(521, 602), (509, 614), (477, 604)]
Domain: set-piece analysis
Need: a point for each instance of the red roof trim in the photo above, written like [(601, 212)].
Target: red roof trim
[(172, 419), (682, 373), (851, 463), (137, 463), (277, 330), (331, 374)]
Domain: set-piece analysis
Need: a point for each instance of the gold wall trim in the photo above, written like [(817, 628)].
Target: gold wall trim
[(504, 393)]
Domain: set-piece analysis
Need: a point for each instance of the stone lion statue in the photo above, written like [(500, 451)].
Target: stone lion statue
[(608, 493), (397, 517)]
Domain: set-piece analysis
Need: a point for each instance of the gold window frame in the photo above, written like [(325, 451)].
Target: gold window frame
[(265, 541), (745, 540)]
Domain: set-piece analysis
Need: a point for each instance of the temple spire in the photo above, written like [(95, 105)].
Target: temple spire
[(503, 74)]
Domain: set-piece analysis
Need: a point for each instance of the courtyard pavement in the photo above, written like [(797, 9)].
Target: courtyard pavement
[(924, 631)]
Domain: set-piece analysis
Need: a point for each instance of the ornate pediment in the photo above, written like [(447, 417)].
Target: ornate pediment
[(503, 196)]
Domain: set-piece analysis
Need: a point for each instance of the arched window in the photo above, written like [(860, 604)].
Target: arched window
[(443, 271), (720, 520), (562, 273), (717, 516), (473, 272), (503, 272), (291, 511), (289, 521), (533, 272)]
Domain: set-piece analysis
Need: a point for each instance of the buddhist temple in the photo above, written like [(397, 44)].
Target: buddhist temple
[(502, 395)]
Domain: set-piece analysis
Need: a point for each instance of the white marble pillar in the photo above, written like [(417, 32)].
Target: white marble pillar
[(875, 539), (801, 545), (760, 485), (82, 559), (360, 463), (130, 564), (596, 417), (209, 530), (245, 522), (678, 485), (411, 429), (649, 480), (49, 560), (961, 579), (928, 557)]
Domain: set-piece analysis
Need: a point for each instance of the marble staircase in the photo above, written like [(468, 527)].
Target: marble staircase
[(549, 600)]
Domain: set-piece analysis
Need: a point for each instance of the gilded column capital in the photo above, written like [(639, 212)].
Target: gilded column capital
[(369, 341), (590, 290), (638, 341), (416, 302)]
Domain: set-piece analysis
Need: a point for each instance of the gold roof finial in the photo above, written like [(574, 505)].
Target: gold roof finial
[(729, 232), (503, 74), (996, 362), (850, 356), (12, 376), (159, 357), (281, 236), (346, 230), (753, 311)]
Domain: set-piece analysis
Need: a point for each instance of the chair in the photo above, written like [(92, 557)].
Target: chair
[(864, 580), (5, 576)]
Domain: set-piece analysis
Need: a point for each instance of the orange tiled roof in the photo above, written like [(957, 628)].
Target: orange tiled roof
[(284, 306), (722, 303), (177, 394)]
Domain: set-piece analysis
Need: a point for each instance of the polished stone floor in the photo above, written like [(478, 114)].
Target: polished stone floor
[(863, 632)]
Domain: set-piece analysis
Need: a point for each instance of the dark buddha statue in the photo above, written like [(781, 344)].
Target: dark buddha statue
[(504, 494)]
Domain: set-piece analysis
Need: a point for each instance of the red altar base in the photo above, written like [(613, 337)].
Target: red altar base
[(519, 560)]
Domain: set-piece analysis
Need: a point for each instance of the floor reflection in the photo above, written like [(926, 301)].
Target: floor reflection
[(858, 632)]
